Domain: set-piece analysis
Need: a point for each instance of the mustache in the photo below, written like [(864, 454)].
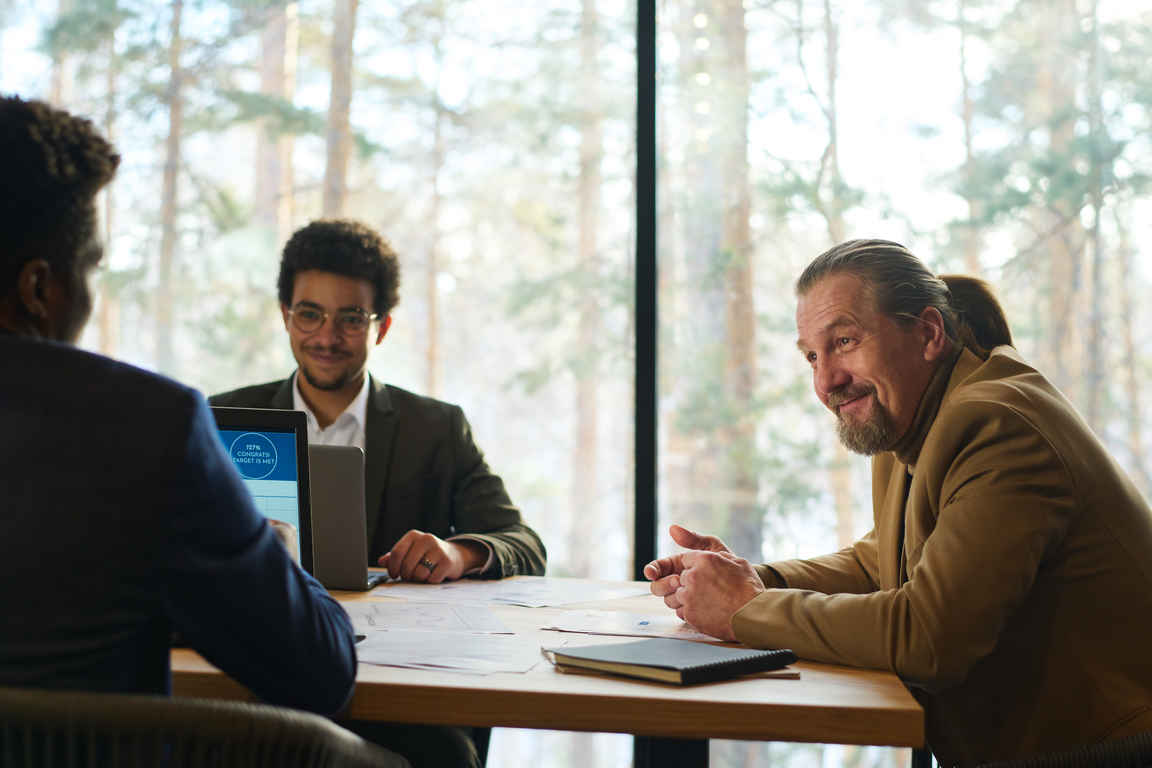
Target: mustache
[(327, 350), (836, 399)]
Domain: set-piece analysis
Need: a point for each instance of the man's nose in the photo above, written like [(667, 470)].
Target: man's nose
[(828, 378), (327, 333)]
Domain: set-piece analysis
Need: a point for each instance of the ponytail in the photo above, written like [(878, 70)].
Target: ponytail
[(980, 319)]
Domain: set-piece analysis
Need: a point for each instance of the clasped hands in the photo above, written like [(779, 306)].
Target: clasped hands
[(707, 585), (420, 556)]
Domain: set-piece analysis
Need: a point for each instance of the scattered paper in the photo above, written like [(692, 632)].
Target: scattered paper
[(594, 622), (478, 654), (381, 616), (530, 591)]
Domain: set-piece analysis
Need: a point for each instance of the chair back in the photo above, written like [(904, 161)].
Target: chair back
[(72, 729)]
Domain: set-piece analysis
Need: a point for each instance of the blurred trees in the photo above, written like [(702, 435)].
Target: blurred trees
[(1040, 145), (273, 194), (339, 134)]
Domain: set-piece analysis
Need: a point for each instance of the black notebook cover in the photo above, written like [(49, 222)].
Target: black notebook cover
[(674, 661)]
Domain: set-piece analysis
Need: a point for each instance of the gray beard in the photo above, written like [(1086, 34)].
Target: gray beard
[(869, 438)]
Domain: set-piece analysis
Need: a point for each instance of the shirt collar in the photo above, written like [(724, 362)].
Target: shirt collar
[(357, 410)]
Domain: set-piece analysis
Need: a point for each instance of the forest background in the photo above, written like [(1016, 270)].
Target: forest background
[(493, 142)]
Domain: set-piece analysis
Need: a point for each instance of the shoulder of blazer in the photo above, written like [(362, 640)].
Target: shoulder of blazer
[(255, 396), (134, 395), (409, 405)]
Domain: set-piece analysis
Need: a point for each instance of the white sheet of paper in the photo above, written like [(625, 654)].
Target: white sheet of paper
[(375, 616), (530, 591), (479, 654), (592, 622)]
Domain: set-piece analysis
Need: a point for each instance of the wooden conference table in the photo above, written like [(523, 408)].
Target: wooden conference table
[(827, 704)]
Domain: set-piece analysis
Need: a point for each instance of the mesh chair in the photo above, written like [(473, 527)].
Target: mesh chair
[(1132, 752), (68, 729)]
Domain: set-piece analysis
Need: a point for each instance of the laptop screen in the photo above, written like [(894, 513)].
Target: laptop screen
[(269, 448), (266, 461)]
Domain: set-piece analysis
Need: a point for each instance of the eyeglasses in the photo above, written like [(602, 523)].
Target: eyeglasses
[(349, 322)]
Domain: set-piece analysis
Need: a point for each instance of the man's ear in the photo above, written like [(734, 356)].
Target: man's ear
[(936, 341), (34, 288), (385, 324), (285, 316)]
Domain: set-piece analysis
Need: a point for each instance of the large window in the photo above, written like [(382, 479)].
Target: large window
[(491, 141), (494, 143), (1003, 139)]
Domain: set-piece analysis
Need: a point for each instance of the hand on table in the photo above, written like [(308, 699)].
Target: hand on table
[(707, 585), (420, 556)]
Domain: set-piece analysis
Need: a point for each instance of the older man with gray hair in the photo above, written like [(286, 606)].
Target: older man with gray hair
[(1008, 575)]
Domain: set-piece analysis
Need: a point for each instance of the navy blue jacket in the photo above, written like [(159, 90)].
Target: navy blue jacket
[(121, 520)]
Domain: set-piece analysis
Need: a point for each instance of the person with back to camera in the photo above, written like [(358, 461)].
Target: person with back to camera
[(123, 518), (1008, 576)]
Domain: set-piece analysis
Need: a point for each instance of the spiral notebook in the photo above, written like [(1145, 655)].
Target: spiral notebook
[(671, 661)]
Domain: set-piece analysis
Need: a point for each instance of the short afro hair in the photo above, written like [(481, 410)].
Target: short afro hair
[(345, 247), (53, 163)]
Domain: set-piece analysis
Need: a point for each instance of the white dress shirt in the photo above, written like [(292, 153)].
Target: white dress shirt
[(348, 429)]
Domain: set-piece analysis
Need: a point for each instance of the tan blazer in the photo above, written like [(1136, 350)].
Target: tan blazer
[(1007, 580)]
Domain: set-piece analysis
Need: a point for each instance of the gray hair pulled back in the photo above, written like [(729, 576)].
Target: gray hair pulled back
[(903, 287)]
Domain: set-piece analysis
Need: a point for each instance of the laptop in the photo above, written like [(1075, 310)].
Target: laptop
[(339, 530), (269, 449)]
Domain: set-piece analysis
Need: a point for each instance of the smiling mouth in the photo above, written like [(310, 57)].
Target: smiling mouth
[(849, 402), (324, 356)]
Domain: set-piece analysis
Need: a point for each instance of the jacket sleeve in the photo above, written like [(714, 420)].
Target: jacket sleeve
[(237, 597), (852, 570), (1002, 499), (482, 510)]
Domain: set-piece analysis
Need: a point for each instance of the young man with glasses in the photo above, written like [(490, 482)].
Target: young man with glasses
[(435, 512)]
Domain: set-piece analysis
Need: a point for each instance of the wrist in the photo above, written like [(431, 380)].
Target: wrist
[(472, 554)]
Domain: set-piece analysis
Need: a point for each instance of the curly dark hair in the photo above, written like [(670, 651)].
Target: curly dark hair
[(346, 247), (53, 164)]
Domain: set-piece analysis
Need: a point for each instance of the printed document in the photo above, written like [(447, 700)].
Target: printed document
[(530, 591), (478, 654), (378, 615)]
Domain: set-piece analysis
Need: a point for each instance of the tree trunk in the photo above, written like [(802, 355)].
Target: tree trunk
[(691, 459), (274, 172), (745, 521), (1063, 236), (108, 318), (585, 490), (832, 206), (584, 519), (972, 240), (340, 107), (436, 169), (1096, 343), (63, 75), (169, 198)]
